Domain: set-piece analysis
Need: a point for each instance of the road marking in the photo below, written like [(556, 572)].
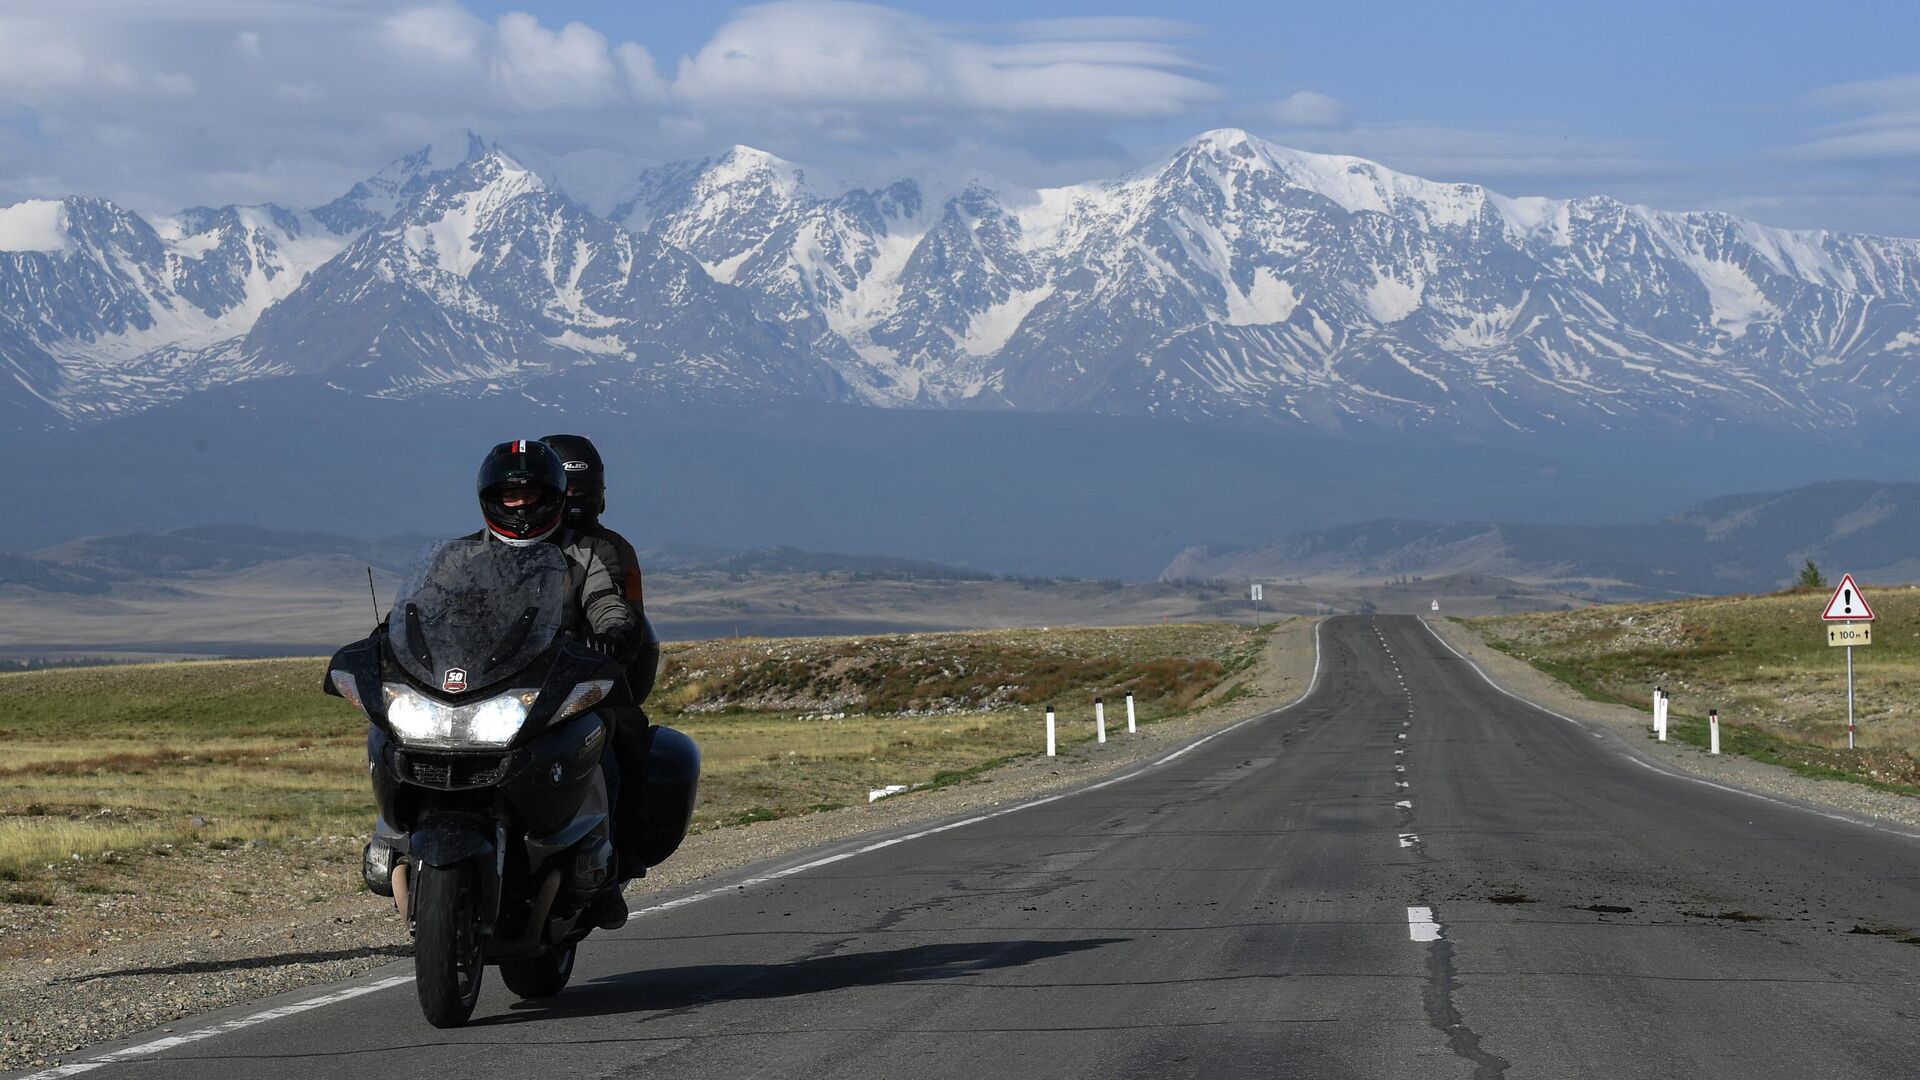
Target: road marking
[(349, 993), (171, 1041), (1397, 753), (1399, 768), (1420, 924), (1403, 804), (1400, 783), (1408, 839), (1402, 735), (1661, 769)]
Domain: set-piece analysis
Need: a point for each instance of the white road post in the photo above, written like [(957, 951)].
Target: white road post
[(1100, 719), (1713, 731), (1050, 743), (1130, 728), (1666, 708), (1849, 697), (1656, 710)]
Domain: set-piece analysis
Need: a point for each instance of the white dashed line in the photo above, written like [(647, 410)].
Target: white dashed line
[(1420, 924)]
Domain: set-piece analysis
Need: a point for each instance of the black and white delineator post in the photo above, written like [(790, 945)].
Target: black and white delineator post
[(1099, 720), (1713, 731), (1656, 710), (1130, 727), (1050, 740)]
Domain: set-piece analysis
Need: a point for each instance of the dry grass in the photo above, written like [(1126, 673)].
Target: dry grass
[(1762, 661), (104, 764)]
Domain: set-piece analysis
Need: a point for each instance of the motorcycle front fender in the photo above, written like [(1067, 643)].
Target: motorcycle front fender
[(449, 843)]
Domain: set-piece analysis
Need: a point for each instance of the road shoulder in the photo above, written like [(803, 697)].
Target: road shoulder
[(1633, 730), (58, 1006)]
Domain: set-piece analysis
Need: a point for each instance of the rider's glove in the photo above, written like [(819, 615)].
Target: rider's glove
[(612, 643)]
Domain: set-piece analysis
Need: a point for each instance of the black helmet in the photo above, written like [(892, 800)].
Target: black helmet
[(521, 465), (586, 478)]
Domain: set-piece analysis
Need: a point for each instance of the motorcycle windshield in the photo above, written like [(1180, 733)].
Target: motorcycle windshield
[(475, 612)]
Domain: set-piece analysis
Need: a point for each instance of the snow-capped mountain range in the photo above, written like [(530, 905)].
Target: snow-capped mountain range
[(1235, 279)]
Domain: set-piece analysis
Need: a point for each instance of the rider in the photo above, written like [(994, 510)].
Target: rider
[(586, 501), (522, 488), (524, 499)]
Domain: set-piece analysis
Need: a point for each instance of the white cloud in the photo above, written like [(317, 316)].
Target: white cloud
[(173, 83), (861, 56), (1302, 109), (1886, 129), (317, 94), (446, 33), (1484, 154)]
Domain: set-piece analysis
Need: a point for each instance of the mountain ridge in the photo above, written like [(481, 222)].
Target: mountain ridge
[(1234, 279)]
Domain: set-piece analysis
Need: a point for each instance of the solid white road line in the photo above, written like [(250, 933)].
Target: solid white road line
[(171, 1041), (694, 898), (1661, 769), (352, 992), (1420, 924)]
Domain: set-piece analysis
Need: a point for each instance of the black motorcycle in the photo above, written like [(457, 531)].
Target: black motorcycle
[(485, 743)]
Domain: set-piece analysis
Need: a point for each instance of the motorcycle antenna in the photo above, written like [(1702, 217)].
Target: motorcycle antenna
[(375, 596)]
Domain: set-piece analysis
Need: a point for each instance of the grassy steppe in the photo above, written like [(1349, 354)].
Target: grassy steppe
[(1762, 661), (119, 764)]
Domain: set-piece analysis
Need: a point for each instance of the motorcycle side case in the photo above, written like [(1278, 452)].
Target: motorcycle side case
[(673, 785)]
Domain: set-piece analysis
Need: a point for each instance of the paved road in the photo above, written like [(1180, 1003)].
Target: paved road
[(1257, 907)]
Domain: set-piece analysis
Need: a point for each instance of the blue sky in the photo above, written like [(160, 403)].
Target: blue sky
[(1800, 115)]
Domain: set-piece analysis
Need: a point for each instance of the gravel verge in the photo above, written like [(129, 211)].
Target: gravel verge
[(1634, 728), (69, 993)]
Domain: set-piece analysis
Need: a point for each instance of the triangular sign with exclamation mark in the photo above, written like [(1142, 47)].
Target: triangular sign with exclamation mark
[(1848, 603)]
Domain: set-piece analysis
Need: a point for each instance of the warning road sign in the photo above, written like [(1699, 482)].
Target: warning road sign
[(1848, 603)]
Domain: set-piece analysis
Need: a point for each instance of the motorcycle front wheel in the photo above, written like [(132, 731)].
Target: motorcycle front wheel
[(539, 976), (447, 964)]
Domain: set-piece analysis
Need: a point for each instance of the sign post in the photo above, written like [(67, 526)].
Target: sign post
[(1850, 609)]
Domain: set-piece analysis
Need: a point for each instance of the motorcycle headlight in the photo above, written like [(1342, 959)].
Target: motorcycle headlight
[(421, 721)]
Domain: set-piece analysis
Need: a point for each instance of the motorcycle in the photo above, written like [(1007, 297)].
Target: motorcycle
[(486, 732)]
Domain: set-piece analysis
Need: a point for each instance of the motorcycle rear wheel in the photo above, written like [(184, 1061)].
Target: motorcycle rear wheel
[(539, 976), (447, 964)]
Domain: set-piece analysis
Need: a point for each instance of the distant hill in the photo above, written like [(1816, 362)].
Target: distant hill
[(1739, 543), (786, 560), (95, 564)]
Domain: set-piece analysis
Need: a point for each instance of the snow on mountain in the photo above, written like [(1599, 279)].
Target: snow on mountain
[(130, 312), (487, 280), (1233, 279)]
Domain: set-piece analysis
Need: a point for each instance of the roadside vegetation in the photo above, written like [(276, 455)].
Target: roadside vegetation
[(111, 772), (1762, 661)]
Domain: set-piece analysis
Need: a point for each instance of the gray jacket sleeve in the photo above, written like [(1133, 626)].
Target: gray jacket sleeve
[(602, 600)]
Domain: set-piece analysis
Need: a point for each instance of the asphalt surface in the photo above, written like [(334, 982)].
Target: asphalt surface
[(1242, 910)]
